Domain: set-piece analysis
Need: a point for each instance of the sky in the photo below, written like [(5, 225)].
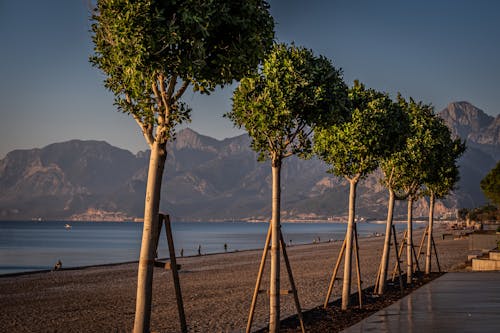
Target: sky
[(436, 51)]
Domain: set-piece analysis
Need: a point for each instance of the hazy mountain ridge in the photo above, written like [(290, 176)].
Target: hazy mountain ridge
[(209, 179), (473, 125), (482, 135)]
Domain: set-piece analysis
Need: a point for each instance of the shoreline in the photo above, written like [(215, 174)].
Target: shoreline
[(48, 270), (216, 290), (339, 220)]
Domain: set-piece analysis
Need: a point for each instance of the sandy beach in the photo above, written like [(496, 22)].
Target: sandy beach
[(217, 290)]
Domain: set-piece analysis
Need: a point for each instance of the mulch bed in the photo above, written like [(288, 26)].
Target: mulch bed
[(333, 319)]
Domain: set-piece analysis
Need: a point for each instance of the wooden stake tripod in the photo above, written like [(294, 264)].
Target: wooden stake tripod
[(172, 265), (433, 247), (337, 265), (416, 266), (398, 263), (282, 292)]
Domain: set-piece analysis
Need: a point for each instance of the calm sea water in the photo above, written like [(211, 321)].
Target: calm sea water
[(31, 246)]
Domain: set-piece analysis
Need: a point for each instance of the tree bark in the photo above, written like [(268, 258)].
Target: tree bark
[(428, 254), (346, 287), (150, 229), (384, 262), (274, 288), (409, 242)]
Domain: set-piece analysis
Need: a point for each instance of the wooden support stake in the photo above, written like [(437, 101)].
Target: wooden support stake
[(435, 252), (292, 283), (168, 266), (377, 280), (358, 269), (334, 273), (415, 258), (282, 292), (157, 239), (259, 279), (175, 273), (424, 237), (400, 252), (337, 265), (398, 262)]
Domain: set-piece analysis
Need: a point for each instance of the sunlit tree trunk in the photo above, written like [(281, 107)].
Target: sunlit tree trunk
[(151, 211), (429, 236), (346, 287), (409, 242), (384, 262), (274, 289)]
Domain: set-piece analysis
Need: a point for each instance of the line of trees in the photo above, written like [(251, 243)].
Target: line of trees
[(290, 101), (356, 131)]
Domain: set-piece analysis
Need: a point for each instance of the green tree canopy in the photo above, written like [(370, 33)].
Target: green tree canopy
[(374, 130), (444, 151), (279, 106), (406, 169), (152, 50), (491, 185)]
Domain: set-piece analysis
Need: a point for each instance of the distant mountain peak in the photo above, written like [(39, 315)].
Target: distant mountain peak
[(464, 119), (464, 111), (190, 139)]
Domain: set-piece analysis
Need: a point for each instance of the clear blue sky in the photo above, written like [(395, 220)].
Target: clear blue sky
[(437, 51)]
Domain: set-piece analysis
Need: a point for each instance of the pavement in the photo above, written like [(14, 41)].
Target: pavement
[(455, 302)]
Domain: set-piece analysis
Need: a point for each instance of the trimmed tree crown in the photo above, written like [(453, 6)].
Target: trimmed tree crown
[(443, 173), (407, 169), (148, 45), (375, 129), (292, 92)]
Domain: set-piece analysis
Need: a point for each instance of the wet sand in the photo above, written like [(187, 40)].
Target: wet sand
[(217, 290)]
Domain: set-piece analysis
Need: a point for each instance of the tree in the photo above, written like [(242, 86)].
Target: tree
[(443, 173), (278, 107), (354, 149), (389, 168), (150, 52), (490, 185), (404, 174)]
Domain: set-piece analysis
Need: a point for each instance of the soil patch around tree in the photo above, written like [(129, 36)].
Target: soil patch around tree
[(333, 319)]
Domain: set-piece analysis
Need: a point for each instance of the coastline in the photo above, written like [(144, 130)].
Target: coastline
[(83, 244), (216, 288)]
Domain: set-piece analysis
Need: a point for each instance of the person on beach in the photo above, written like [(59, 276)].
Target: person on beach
[(199, 249), (225, 247), (182, 252), (58, 265)]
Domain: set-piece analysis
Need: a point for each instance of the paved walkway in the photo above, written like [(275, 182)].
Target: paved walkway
[(455, 302)]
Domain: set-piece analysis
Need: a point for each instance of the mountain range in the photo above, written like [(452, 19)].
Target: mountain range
[(207, 179)]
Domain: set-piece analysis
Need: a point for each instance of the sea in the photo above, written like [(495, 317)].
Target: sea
[(27, 246)]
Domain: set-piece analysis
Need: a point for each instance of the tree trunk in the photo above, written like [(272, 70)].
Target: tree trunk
[(429, 236), (150, 229), (384, 262), (274, 288), (409, 242), (346, 287)]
